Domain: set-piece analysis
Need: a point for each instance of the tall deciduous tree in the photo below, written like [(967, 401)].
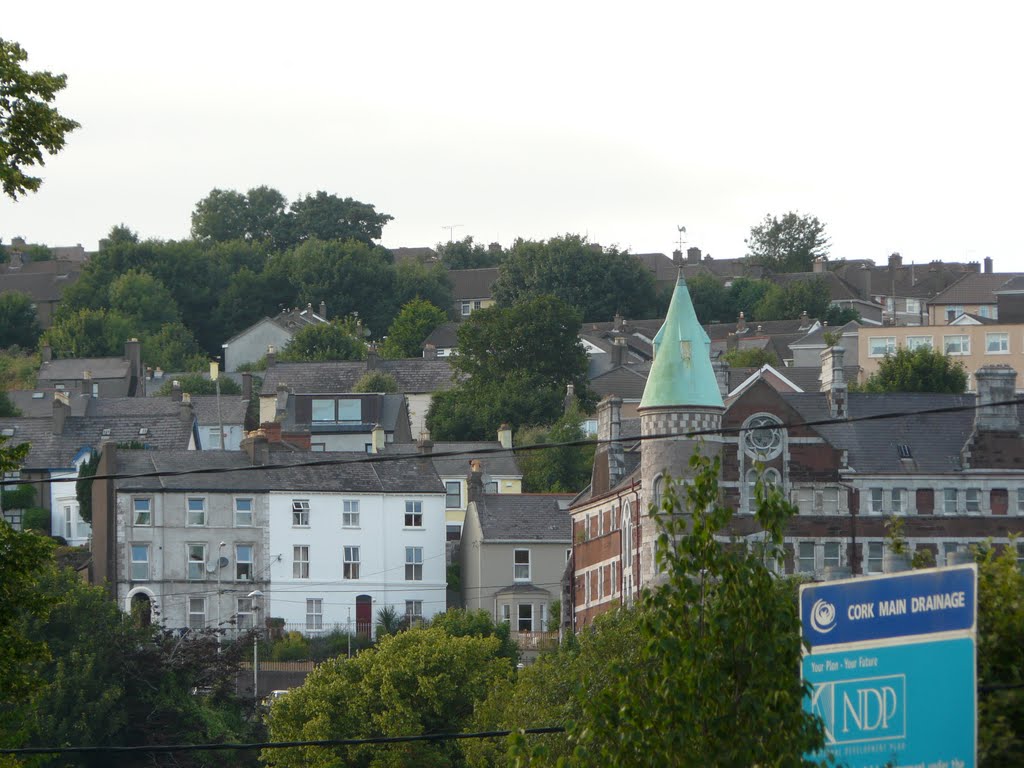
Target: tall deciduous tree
[(789, 244), (144, 299), (224, 214), (329, 217), (411, 327), (29, 125), (465, 254), (789, 301), (558, 469), (90, 333), (321, 342), (597, 282), (918, 370), (18, 323)]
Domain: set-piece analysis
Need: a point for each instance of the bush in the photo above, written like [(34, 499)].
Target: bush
[(336, 644), (20, 497), (36, 519), (294, 647)]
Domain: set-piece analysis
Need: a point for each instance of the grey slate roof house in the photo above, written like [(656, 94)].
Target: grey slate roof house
[(249, 345)]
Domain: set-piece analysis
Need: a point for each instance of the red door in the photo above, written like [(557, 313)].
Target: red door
[(364, 615)]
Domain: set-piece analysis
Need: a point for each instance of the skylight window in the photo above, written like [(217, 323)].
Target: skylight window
[(904, 450), (143, 431), (106, 432), (38, 395), (8, 431)]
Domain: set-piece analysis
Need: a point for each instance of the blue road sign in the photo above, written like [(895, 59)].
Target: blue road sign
[(909, 705), (901, 605)]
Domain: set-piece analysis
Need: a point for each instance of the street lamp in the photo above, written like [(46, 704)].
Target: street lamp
[(255, 595), (220, 548)]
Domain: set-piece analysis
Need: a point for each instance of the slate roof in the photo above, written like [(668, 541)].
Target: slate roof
[(626, 381), (473, 283), (40, 287), (808, 377), (816, 338), (660, 265), (74, 368), (419, 254), (232, 409), (26, 401), (413, 376), (838, 289), (540, 517), (935, 440), (1013, 285), (767, 328), (974, 288), (502, 464), (407, 475), (445, 335)]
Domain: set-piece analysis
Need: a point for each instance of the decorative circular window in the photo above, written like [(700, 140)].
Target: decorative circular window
[(762, 438)]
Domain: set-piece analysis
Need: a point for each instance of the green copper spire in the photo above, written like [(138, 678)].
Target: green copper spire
[(681, 373)]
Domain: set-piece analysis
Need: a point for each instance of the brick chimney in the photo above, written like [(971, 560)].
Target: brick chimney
[(246, 385), (323, 309), (256, 446), (271, 356), (618, 354), (425, 444), (46, 353), (820, 264), (272, 431), (475, 482), (61, 409), (505, 436), (996, 384), (133, 354), (833, 381), (372, 358), (176, 391), (87, 384), (693, 255), (185, 410), (430, 351), (570, 397), (895, 261), (741, 324)]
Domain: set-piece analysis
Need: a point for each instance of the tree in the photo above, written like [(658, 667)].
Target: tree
[(715, 678), (789, 244), (29, 126), (173, 348), (712, 301), (376, 381), (7, 407), (465, 254), (919, 370), (414, 280), (749, 358), (119, 233), (328, 217), (90, 333), (421, 681), (411, 327), (837, 316), (144, 299), (597, 282), (790, 301), (196, 384), (564, 469), (459, 622), (258, 215), (18, 323), (83, 486), (320, 342)]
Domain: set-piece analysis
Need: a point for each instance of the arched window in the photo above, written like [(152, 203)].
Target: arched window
[(762, 437), (771, 478), (657, 492), (627, 537)]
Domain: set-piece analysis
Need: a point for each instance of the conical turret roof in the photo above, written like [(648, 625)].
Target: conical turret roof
[(681, 373)]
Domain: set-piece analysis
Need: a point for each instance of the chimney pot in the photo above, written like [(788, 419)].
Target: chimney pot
[(505, 436)]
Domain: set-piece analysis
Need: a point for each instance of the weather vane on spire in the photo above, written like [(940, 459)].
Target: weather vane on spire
[(682, 231)]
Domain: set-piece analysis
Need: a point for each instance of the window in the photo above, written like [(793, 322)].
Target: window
[(914, 305), (888, 304), (656, 493), (627, 538), (876, 501), (245, 566), (956, 345), (140, 562), (805, 557), (300, 562), (350, 411), (953, 311), (949, 501), (413, 514), (244, 613), (142, 512), (543, 619), (506, 613), (973, 499), (950, 548), (830, 501), (897, 501), (880, 346), (762, 437), (69, 518), (452, 494), (243, 512), (323, 411), (1020, 554), (350, 513), (350, 563), (197, 612), (917, 342), (300, 513), (414, 612), (467, 308), (832, 554), (314, 613), (196, 512), (414, 563), (491, 487), (997, 343), (990, 312), (751, 490), (874, 557), (1020, 501), (196, 562), (525, 623), (521, 568)]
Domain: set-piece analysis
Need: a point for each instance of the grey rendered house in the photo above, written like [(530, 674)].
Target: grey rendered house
[(513, 555)]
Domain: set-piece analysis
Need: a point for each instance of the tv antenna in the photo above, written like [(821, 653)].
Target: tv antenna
[(451, 230)]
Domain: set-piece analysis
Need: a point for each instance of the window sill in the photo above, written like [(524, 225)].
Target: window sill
[(299, 526), (413, 528)]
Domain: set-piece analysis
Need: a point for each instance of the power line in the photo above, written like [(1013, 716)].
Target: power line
[(585, 442), (163, 748)]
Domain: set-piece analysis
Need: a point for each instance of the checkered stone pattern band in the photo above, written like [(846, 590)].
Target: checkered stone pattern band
[(680, 422)]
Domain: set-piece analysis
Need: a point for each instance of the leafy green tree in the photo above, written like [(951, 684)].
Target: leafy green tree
[(712, 301), (918, 370), (90, 333), (29, 126), (119, 233), (144, 299), (746, 294), (750, 358), (789, 244), (250, 296), (321, 342), (561, 469), (837, 316), (83, 486), (420, 281), (597, 282), (259, 215), (417, 682), (7, 407), (459, 622), (411, 327), (18, 323), (328, 217), (376, 381), (196, 384), (18, 369), (465, 254), (715, 679), (173, 348), (790, 301)]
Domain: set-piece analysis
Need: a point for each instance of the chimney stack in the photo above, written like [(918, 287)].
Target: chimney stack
[(61, 409), (996, 384), (618, 351), (246, 385), (505, 436), (185, 410), (570, 397), (721, 369), (475, 482), (741, 324), (256, 446), (677, 257), (46, 353), (377, 439), (988, 265), (895, 261), (425, 444), (833, 381), (430, 351), (176, 391), (323, 309), (693, 255), (820, 264), (271, 356), (610, 456), (372, 358)]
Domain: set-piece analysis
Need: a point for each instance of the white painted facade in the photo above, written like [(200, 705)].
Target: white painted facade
[(64, 518), (309, 588)]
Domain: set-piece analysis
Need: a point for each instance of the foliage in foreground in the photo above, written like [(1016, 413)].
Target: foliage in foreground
[(919, 370)]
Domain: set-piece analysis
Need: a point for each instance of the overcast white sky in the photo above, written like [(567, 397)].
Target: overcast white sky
[(898, 124)]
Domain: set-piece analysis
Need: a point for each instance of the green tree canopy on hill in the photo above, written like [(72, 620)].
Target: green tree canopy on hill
[(321, 342), (919, 370), (465, 254), (787, 244), (558, 469), (417, 319), (18, 323)]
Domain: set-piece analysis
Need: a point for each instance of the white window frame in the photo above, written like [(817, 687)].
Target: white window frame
[(414, 612), (914, 306), (466, 309), (828, 508), (413, 514), (142, 517), (245, 562), (1020, 501), (350, 562), (953, 311), (506, 613), (314, 614), (876, 501), (193, 514), (828, 559), (897, 497), (889, 348), (522, 619), (972, 501), (451, 495), (300, 513), (414, 563), (137, 563), (1001, 344), (805, 555), (350, 513), (243, 517), (300, 561), (521, 565), (946, 501), (956, 344), (873, 556), (195, 566), (245, 613), (916, 342), (196, 618)]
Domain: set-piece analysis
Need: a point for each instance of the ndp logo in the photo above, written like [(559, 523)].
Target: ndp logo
[(869, 709), (823, 616)]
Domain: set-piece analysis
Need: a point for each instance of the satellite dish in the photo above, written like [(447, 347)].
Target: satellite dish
[(211, 567), (223, 562)]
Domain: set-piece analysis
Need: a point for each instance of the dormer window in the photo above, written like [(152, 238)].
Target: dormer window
[(143, 431), (685, 351)]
